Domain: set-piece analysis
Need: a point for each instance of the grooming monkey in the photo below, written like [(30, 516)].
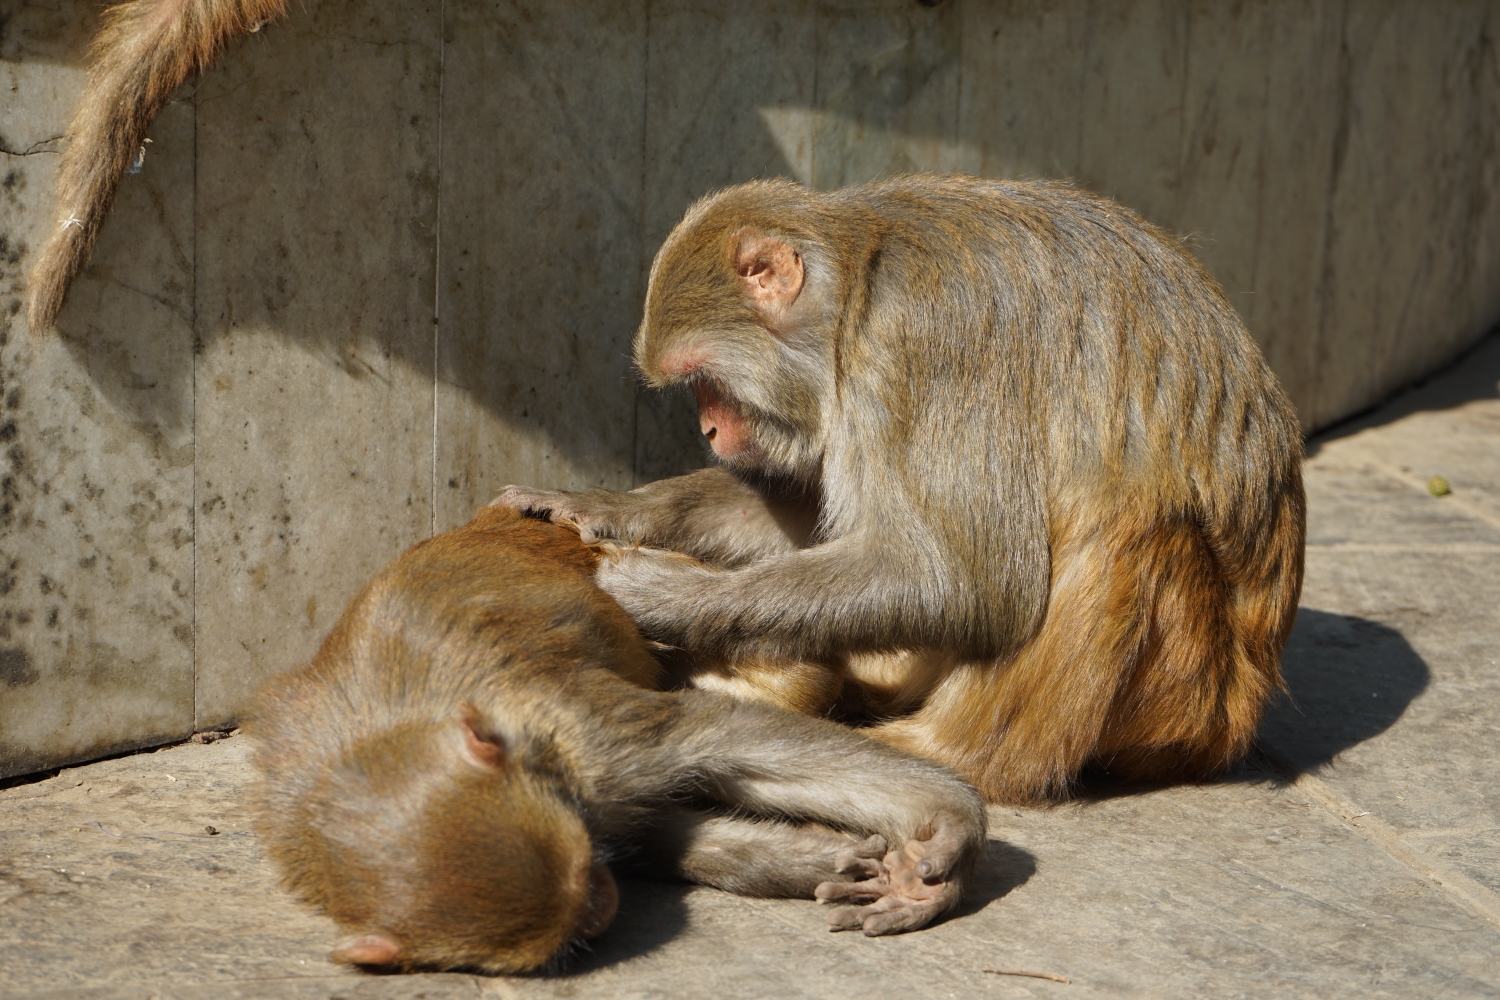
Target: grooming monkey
[(476, 739), (997, 458), (143, 52)]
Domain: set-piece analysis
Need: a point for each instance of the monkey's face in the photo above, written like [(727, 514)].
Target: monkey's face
[(447, 852), (743, 435), (738, 313)]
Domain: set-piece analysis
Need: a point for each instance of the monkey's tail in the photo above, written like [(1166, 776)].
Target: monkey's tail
[(143, 52)]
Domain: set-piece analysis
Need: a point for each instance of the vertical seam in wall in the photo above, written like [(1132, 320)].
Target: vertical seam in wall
[(958, 96), (1256, 249), (1343, 99), (437, 261), (193, 403), (1184, 133), (812, 140), (1083, 76), (641, 273)]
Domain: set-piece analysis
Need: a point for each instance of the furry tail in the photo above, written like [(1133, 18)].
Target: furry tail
[(144, 51)]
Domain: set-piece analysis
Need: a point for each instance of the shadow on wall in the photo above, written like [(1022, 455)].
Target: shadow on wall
[(1471, 378), (1348, 680), (329, 204)]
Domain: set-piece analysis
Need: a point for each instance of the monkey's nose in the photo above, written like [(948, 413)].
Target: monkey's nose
[(710, 432)]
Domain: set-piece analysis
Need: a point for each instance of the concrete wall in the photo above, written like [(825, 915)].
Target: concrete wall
[(387, 257)]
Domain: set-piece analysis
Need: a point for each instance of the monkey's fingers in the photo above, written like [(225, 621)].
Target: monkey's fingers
[(847, 918), (858, 868), (939, 850), (909, 915), (544, 503), (862, 861), (865, 890), (884, 908), (888, 915)]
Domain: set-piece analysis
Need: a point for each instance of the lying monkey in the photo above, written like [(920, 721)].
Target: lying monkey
[(477, 738)]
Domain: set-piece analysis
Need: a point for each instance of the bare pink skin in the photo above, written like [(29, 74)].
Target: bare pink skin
[(900, 890), (720, 421), (683, 364)]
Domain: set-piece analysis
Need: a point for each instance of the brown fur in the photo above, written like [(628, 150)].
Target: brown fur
[(475, 739), (1057, 492), (143, 52)]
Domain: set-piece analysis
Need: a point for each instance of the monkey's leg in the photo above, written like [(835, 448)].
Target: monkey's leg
[(1141, 663), (1021, 729), (1210, 657), (710, 514), (753, 857), (775, 764), (769, 858)]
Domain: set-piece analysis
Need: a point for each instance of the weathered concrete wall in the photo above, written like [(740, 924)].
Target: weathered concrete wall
[(388, 256)]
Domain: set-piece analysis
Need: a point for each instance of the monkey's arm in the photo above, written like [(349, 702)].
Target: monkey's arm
[(845, 595), (710, 514), (779, 765), (753, 857)]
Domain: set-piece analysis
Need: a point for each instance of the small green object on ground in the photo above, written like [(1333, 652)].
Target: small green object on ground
[(1438, 486)]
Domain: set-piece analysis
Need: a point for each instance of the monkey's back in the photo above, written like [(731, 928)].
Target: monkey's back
[(1060, 342), (1085, 323), (1145, 463)]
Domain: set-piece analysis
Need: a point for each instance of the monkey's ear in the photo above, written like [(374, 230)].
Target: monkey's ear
[(482, 745), (770, 269), (368, 949)]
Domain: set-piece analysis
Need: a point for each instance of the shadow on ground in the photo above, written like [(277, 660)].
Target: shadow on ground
[(1003, 869), (651, 914), (1348, 679), (1470, 378)]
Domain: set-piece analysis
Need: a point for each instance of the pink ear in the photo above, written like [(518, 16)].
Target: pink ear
[(367, 949), (770, 269), (481, 744)]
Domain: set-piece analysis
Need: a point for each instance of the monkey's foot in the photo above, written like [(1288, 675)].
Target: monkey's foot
[(902, 891)]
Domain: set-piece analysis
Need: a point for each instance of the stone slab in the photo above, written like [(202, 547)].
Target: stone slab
[(540, 270), (313, 372), (96, 433), (1239, 888)]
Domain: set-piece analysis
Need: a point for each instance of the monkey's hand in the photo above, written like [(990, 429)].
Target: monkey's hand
[(906, 889), (572, 510), (653, 585)]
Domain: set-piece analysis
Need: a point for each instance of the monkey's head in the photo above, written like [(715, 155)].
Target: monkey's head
[(434, 847), (738, 307)]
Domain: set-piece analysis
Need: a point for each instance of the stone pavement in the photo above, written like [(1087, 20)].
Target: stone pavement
[(1359, 856)]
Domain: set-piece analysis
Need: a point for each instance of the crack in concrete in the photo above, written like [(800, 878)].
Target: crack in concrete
[(1479, 898), (33, 149), (1415, 481)]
